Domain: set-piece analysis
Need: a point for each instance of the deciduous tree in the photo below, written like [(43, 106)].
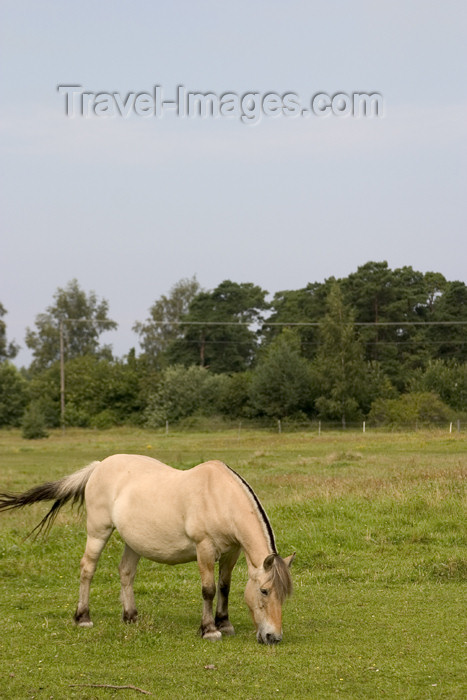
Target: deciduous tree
[(83, 317), (7, 350), (162, 326)]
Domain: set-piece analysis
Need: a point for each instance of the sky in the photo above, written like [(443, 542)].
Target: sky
[(129, 206)]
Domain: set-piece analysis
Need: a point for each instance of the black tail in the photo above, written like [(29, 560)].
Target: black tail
[(69, 489)]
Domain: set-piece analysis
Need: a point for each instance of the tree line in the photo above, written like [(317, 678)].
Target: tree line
[(381, 344)]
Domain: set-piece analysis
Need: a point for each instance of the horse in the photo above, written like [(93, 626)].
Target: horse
[(206, 514)]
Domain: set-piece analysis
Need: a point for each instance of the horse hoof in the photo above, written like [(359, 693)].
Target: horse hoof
[(130, 617), (85, 623), (212, 636), (82, 619), (228, 629)]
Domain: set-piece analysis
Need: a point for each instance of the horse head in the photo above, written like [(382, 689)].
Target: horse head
[(265, 593)]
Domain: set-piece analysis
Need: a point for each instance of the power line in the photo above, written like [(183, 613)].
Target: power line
[(105, 321), (316, 324), (375, 343)]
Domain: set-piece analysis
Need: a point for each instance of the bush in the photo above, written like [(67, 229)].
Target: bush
[(447, 379), (33, 423), (93, 385), (282, 385), (422, 408), (76, 416), (104, 420), (13, 394), (184, 391), (234, 396)]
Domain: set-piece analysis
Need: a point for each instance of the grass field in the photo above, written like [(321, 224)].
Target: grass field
[(378, 522)]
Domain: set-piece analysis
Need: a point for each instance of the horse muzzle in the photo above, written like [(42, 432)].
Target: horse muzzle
[(268, 637)]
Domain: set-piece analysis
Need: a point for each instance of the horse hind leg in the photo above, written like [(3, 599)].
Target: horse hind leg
[(92, 552), (226, 564), (127, 570)]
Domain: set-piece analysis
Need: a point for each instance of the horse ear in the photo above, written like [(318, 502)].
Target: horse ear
[(268, 562), (289, 560)]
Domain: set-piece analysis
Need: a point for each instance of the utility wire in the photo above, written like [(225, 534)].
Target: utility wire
[(305, 323)]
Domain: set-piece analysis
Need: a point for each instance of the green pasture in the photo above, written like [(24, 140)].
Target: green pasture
[(379, 610)]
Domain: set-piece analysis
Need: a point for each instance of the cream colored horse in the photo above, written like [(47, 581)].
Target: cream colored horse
[(207, 513)]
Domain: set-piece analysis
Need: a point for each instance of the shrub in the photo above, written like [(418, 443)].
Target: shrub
[(447, 379), (234, 396), (76, 416), (33, 423), (184, 391), (281, 384), (104, 420), (13, 394), (423, 408)]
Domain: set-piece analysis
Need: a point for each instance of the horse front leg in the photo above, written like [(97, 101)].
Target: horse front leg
[(206, 560), (127, 571), (226, 564)]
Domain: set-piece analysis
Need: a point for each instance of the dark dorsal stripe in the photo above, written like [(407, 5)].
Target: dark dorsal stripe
[(261, 511)]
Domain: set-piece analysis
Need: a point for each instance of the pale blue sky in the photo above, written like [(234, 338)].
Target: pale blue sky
[(129, 207)]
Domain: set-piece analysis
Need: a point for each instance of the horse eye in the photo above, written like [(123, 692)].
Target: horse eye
[(264, 591)]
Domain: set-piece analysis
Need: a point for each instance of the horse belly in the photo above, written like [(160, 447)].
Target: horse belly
[(165, 550), (158, 535)]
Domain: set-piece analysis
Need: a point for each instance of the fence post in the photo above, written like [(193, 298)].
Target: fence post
[(458, 425), (364, 426), (279, 425), (319, 427), (450, 427), (166, 427)]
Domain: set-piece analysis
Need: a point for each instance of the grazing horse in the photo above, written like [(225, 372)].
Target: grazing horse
[(207, 513)]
